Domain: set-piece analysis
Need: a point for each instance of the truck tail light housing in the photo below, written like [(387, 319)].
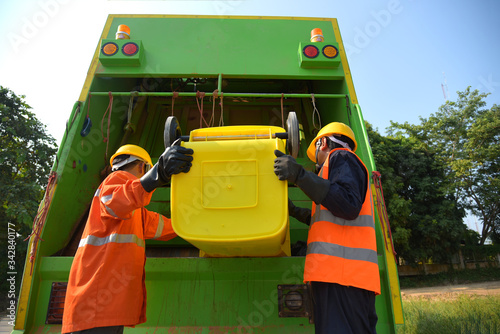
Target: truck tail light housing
[(121, 52)]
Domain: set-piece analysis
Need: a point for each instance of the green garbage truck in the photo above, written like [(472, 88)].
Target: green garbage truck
[(233, 88)]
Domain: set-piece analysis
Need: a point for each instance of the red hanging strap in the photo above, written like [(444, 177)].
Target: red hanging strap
[(40, 218), (201, 95), (382, 209), (174, 96), (106, 139), (215, 95), (221, 119)]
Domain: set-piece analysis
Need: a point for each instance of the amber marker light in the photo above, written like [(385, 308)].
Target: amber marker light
[(109, 49), (329, 51)]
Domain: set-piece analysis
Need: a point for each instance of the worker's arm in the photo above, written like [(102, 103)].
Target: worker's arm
[(286, 168), (120, 194), (303, 215), (348, 182), (157, 226), (342, 194)]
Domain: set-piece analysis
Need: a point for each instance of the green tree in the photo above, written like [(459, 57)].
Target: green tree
[(466, 137), (25, 162), (426, 222)]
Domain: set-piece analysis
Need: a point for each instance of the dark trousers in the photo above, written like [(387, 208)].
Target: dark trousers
[(102, 330), (343, 310)]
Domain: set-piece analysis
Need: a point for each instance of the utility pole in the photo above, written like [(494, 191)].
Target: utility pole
[(444, 87)]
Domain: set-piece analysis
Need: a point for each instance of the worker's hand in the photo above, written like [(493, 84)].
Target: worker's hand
[(314, 186), (286, 168), (176, 159)]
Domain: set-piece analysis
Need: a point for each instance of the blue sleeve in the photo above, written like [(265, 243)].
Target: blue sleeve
[(348, 185)]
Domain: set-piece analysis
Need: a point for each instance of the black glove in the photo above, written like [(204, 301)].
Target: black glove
[(176, 159), (303, 215), (286, 168)]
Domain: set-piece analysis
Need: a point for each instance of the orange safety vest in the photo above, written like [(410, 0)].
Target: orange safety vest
[(106, 282), (343, 251)]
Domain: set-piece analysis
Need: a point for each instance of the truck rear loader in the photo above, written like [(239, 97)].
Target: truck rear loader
[(233, 89)]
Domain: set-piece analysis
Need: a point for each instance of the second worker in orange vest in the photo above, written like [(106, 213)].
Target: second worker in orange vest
[(106, 289), (341, 260)]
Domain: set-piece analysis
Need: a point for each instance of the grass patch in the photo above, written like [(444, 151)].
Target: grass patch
[(451, 277), (451, 314)]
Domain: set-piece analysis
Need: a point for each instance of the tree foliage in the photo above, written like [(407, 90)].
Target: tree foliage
[(25, 162), (466, 137), (425, 219)]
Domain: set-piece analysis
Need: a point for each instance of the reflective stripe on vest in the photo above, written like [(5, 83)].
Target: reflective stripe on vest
[(116, 238), (325, 215), (347, 253)]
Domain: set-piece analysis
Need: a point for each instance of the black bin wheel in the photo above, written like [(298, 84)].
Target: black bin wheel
[(172, 131), (292, 128)]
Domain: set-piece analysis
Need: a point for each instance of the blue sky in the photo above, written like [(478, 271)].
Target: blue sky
[(400, 52)]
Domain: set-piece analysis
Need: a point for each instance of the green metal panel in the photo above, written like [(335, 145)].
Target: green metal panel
[(188, 295), (225, 295), (248, 47)]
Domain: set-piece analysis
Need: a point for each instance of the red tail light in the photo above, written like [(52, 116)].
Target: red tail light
[(310, 51), (130, 49)]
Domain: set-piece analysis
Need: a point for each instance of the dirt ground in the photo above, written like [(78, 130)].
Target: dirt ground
[(484, 288)]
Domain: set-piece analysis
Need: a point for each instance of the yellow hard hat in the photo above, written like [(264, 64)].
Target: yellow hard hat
[(136, 152), (334, 128)]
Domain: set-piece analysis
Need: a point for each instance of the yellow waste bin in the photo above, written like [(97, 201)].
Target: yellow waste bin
[(231, 203)]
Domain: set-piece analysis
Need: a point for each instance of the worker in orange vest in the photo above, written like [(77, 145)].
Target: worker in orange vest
[(341, 260), (106, 289)]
